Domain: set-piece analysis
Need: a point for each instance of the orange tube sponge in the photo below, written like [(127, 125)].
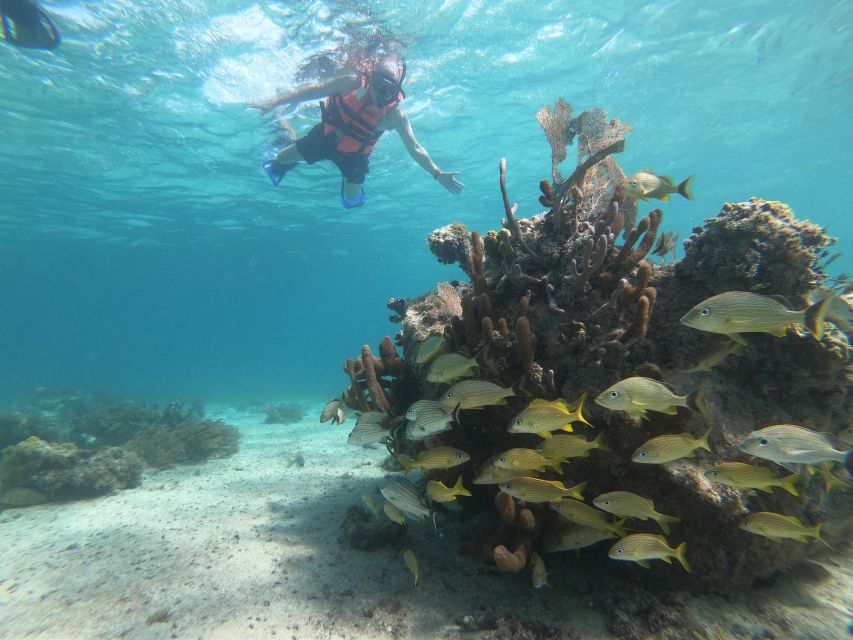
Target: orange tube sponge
[(380, 401), (509, 562)]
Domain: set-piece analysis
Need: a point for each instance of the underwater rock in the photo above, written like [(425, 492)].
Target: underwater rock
[(186, 443), (284, 413), (15, 427), (65, 472), (365, 532), (21, 497), (451, 244)]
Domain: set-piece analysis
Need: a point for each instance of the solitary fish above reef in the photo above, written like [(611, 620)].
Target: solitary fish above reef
[(333, 411), (736, 312), (647, 184), (670, 447), (536, 490), (638, 395), (563, 446), (642, 547), (573, 537), (430, 348), (412, 563), (403, 495), (474, 394), (429, 422), (582, 514), (746, 476), (449, 366), (440, 492), (394, 514), (437, 458), (788, 444), (538, 573), (525, 460), (714, 356), (542, 417), (630, 505), (777, 526)]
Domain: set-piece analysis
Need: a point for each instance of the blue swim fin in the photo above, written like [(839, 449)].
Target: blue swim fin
[(359, 200), (275, 169)]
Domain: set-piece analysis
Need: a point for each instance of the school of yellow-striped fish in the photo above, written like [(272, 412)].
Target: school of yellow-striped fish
[(583, 520)]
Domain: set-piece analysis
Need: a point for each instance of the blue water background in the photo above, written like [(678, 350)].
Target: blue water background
[(143, 251)]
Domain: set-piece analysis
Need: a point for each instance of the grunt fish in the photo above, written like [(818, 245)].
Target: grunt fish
[(715, 355), (647, 184), (630, 505), (735, 312), (563, 446), (670, 447), (430, 348), (538, 573), (788, 444), (366, 434), (412, 563), (746, 476), (415, 409), (642, 547), (437, 458), (394, 514), (474, 394), (582, 514), (525, 460), (430, 421), (573, 537), (490, 474), (536, 490), (450, 366), (638, 395), (440, 492), (370, 503), (777, 527), (543, 416), (403, 495)]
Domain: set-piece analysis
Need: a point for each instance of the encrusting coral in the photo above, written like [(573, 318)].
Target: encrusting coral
[(558, 306)]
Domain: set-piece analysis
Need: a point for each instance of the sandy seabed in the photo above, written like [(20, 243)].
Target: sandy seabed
[(247, 548)]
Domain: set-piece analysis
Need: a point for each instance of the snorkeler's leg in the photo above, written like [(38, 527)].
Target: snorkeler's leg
[(289, 155), (354, 168)]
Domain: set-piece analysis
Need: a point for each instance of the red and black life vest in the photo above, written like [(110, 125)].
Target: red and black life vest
[(353, 118)]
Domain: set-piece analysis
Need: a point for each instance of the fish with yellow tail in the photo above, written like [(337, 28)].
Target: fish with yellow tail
[(714, 356), (778, 527), (735, 312), (746, 476), (440, 492), (490, 474), (646, 184), (573, 538), (563, 446), (582, 514), (538, 573), (638, 395), (394, 514), (790, 444), (370, 503), (630, 505), (436, 458), (672, 447), (537, 490), (412, 563), (450, 366), (543, 416), (430, 348), (522, 460), (642, 547), (474, 394)]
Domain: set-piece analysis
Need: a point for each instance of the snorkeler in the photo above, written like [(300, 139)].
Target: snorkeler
[(24, 24), (358, 108)]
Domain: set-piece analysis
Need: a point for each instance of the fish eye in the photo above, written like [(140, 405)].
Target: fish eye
[(449, 395), (606, 503), (614, 394), (507, 486), (458, 456), (518, 422), (705, 312), (643, 454), (714, 473), (763, 442), (502, 459), (634, 182), (620, 551)]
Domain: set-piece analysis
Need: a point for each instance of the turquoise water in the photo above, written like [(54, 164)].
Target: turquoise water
[(143, 251)]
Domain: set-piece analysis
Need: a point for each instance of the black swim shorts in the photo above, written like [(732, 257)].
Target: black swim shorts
[(317, 146)]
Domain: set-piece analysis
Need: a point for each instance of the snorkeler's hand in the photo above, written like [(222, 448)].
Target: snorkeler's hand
[(447, 179)]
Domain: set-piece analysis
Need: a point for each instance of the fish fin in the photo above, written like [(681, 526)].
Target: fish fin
[(739, 348), (697, 400), (577, 491), (578, 411), (766, 489), (459, 489), (681, 556), (455, 414), (815, 314), (539, 402), (816, 534), (670, 410), (664, 198), (667, 559), (644, 563), (685, 188), (407, 463), (600, 443), (666, 180), (811, 469), (738, 338), (703, 441), (545, 434), (787, 466), (665, 521), (618, 527), (780, 332)]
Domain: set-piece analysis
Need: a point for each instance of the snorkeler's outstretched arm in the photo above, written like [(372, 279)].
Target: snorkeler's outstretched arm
[(312, 91), (398, 120)]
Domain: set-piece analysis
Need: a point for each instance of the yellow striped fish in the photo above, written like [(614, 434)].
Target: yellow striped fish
[(536, 490), (638, 395), (525, 460), (450, 366), (563, 446), (394, 514), (630, 505), (543, 416), (582, 514), (430, 348), (573, 537), (437, 458), (670, 447), (642, 547), (746, 476), (440, 492), (735, 312), (490, 474), (831, 480), (777, 527), (474, 394), (714, 356), (412, 563)]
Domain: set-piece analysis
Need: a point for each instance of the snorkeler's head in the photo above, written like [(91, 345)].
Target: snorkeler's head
[(387, 78)]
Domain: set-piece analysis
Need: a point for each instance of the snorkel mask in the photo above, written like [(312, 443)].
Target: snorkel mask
[(386, 88)]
